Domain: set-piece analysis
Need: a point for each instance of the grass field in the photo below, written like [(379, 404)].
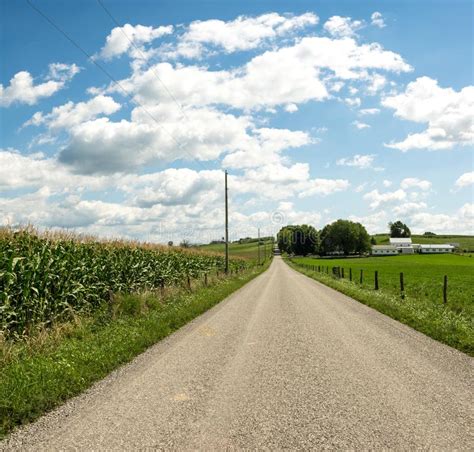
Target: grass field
[(466, 242), (422, 306), (423, 276), (246, 250)]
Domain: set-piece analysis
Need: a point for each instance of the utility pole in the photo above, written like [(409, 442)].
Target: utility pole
[(226, 227), (258, 246), (264, 250)]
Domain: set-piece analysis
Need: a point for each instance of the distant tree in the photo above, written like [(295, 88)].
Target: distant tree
[(170, 243), (430, 234), (298, 239), (399, 229), (185, 244), (373, 240), (344, 236)]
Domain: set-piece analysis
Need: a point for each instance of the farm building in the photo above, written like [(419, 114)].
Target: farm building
[(384, 250), (403, 241), (431, 249)]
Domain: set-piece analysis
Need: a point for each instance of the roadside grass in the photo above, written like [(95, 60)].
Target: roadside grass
[(39, 373), (431, 317)]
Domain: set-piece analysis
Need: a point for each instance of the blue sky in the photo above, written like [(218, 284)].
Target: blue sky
[(319, 111)]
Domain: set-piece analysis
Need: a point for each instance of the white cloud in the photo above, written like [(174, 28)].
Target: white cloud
[(447, 112), (369, 111), (376, 199), (342, 26), (358, 161), (120, 39), (353, 102), (243, 33), (374, 223), (71, 114), (387, 183), (278, 77), (461, 222), (409, 207), (22, 88), (465, 180), (414, 182), (323, 187), (377, 20), (360, 125), (291, 108)]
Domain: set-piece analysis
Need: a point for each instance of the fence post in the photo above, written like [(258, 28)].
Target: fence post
[(376, 280), (189, 283), (402, 286), (445, 289), (205, 279), (342, 272), (350, 274), (361, 276), (162, 288)]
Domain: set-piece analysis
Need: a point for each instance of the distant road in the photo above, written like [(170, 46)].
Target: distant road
[(283, 363)]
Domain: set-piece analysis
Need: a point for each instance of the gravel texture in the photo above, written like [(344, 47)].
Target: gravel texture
[(285, 362)]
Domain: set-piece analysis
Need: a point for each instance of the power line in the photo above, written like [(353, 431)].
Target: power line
[(107, 73), (107, 11)]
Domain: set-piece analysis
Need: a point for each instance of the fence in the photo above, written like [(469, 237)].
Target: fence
[(339, 273)]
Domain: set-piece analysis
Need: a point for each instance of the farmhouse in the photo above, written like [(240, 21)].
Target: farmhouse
[(431, 249), (384, 250)]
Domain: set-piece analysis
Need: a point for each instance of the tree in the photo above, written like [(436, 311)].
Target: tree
[(373, 241), (344, 236), (399, 229), (430, 234), (185, 244), (170, 243), (298, 239)]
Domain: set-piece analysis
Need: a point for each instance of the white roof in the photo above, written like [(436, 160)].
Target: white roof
[(437, 246), (384, 247), (397, 240)]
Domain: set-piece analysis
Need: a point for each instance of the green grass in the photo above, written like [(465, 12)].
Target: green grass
[(422, 306), (40, 373), (466, 242), (246, 250)]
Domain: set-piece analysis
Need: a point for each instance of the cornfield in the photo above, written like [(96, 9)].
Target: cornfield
[(45, 277)]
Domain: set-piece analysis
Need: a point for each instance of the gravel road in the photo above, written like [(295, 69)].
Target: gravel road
[(285, 362)]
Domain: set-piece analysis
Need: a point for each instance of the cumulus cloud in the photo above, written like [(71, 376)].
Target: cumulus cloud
[(360, 125), (409, 207), (124, 39), (465, 180), (369, 111), (342, 26), (243, 33), (359, 161), (71, 114), (23, 90), (447, 112), (461, 221), (414, 182), (288, 75), (377, 20), (376, 198)]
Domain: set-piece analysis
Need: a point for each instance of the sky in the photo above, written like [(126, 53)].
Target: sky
[(118, 118)]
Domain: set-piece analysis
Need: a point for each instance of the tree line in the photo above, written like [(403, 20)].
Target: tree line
[(340, 237)]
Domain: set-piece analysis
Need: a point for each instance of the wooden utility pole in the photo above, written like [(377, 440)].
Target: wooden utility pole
[(226, 227), (258, 247)]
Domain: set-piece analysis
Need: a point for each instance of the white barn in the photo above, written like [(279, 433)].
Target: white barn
[(402, 241), (436, 249), (384, 250), (402, 244)]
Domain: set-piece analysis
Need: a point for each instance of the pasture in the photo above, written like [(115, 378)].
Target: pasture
[(423, 276)]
